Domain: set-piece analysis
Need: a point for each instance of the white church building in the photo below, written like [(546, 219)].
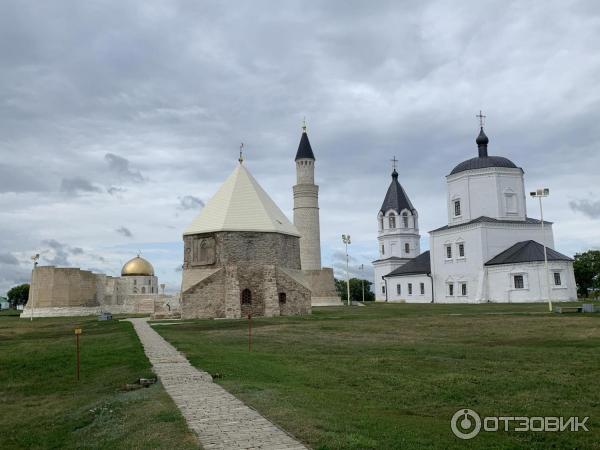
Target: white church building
[(489, 251)]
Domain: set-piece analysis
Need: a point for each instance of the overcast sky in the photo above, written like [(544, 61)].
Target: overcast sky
[(119, 119)]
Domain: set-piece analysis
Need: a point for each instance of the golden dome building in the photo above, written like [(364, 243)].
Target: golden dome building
[(137, 277), (70, 291)]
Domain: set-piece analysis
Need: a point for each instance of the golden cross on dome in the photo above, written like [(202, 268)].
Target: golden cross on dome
[(394, 161), (304, 124), (481, 118)]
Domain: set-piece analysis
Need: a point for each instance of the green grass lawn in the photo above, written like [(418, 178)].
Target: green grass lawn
[(42, 406), (392, 376)]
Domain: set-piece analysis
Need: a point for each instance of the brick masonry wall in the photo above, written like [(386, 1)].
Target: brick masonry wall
[(63, 287), (206, 298), (247, 247), (244, 260), (219, 295), (306, 220), (297, 296)]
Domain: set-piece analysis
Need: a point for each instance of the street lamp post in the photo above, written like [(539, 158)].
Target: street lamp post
[(539, 194), (35, 259), (362, 271), (346, 241)]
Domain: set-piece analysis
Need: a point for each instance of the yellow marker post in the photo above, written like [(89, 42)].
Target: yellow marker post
[(77, 333)]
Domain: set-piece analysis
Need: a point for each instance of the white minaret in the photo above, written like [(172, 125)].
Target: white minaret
[(398, 236), (306, 206)]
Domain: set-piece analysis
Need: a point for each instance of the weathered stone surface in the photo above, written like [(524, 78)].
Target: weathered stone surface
[(322, 286), (234, 248), (220, 420), (243, 261), (58, 291), (65, 287)]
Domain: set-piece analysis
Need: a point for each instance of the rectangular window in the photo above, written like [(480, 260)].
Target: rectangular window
[(519, 282), (448, 252), (383, 289), (463, 288), (457, 207), (450, 289), (409, 288), (383, 250), (422, 288), (461, 250), (406, 248), (557, 279), (398, 289)]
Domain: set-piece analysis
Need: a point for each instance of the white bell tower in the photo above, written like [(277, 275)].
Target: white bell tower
[(398, 233)]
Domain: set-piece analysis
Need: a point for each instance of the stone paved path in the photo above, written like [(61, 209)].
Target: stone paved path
[(220, 420)]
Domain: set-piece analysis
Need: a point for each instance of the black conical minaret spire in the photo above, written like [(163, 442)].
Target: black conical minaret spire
[(304, 148)]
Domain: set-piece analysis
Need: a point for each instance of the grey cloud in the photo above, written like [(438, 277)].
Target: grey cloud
[(59, 255), (374, 80), (115, 190), (124, 232), (587, 207), (11, 275), (76, 185), (18, 179), (9, 259), (190, 202), (120, 166)]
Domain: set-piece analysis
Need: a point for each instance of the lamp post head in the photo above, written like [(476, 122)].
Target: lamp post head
[(542, 192)]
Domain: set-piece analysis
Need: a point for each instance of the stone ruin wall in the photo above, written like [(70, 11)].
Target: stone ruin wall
[(219, 266), (57, 291)]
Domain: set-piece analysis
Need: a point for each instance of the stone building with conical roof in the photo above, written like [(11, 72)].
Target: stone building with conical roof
[(242, 256)]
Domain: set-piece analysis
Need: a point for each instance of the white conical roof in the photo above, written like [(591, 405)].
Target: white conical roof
[(241, 205)]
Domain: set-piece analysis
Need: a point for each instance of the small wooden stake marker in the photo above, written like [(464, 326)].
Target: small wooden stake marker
[(249, 332), (77, 333)]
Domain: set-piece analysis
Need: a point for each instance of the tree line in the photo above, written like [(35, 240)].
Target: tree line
[(356, 290)]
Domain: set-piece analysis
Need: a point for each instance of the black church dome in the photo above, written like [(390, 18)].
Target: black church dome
[(483, 160)]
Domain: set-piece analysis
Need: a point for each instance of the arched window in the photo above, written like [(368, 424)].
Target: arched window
[(246, 297), (282, 298), (392, 220), (380, 223), (203, 251), (510, 201), (406, 248), (143, 290), (405, 219)]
